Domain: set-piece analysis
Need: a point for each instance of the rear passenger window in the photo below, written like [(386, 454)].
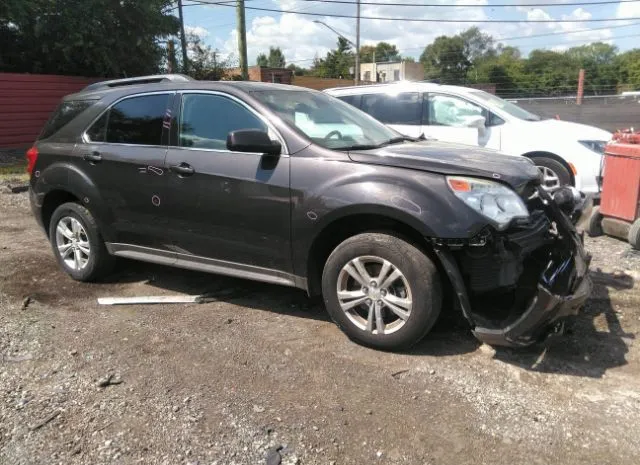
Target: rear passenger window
[(136, 120), (404, 108)]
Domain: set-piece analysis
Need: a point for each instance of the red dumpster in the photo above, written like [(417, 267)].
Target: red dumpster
[(619, 211)]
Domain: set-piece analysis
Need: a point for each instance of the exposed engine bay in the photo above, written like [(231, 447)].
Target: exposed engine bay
[(514, 286)]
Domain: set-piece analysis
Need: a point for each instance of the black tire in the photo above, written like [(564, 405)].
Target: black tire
[(558, 168), (634, 234), (99, 262), (594, 228), (419, 273)]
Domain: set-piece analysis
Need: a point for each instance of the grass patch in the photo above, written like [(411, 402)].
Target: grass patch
[(16, 171)]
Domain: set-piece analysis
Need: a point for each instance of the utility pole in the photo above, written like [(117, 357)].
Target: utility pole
[(171, 57), (242, 40), (357, 73), (183, 40), (580, 87)]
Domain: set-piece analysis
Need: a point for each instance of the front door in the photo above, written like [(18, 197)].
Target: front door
[(224, 205), (124, 154), (451, 119)]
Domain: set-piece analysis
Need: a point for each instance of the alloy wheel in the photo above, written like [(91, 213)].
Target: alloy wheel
[(72, 242), (550, 180), (374, 294)]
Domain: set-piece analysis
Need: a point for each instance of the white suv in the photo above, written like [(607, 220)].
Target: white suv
[(567, 153)]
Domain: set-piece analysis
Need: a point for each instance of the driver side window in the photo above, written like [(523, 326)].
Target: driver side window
[(207, 119), (446, 110)]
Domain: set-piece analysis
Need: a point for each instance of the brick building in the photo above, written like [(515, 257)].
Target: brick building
[(264, 74)]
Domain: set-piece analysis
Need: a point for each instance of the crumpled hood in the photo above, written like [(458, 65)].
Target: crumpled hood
[(452, 159), (552, 128)]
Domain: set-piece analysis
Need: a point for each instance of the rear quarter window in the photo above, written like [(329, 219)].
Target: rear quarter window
[(63, 115)]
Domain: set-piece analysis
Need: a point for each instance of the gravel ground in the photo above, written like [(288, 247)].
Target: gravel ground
[(261, 375)]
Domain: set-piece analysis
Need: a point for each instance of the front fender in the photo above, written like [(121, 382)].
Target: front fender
[(338, 190)]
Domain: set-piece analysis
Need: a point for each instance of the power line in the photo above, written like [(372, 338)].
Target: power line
[(476, 5), (429, 20)]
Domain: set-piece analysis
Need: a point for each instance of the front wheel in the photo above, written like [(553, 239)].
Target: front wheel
[(381, 291), (554, 174)]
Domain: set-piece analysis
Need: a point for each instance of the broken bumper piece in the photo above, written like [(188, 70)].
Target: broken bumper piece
[(515, 287), (543, 315)]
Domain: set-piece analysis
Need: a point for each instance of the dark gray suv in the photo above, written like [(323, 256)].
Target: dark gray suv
[(291, 186)]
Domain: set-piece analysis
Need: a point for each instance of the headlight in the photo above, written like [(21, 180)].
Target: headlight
[(491, 199), (596, 146)]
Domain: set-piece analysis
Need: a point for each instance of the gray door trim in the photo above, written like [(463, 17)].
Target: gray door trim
[(207, 265)]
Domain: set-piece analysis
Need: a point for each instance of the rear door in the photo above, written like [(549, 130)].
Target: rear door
[(402, 111), (124, 154), (448, 118)]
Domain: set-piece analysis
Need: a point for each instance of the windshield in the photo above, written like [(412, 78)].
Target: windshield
[(328, 121), (507, 107)]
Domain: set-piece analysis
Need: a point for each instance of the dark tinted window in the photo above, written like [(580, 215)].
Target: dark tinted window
[(98, 130), (138, 120), (207, 119), (404, 108), (351, 99), (63, 115)]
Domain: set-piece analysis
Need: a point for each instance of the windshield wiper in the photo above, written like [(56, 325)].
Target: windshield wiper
[(393, 140)]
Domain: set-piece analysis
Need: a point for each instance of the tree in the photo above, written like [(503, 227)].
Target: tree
[(477, 44), (628, 66), (337, 62), (85, 37), (383, 51), (206, 63), (445, 59), (599, 62), (297, 70), (274, 60)]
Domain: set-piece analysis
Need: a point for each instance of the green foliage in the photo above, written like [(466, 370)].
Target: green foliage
[(473, 57), (205, 63), (337, 62), (628, 66), (274, 60), (446, 60), (85, 37), (297, 70), (384, 51)]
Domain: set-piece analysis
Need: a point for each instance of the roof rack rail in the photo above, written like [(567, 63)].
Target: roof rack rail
[(138, 80)]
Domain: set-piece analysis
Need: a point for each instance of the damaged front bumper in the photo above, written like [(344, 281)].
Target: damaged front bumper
[(533, 278)]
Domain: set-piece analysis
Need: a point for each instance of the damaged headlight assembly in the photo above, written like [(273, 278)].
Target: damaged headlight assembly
[(492, 200)]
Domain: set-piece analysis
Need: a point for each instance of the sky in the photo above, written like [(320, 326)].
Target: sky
[(301, 39)]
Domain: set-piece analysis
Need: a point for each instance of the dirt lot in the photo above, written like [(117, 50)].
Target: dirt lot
[(263, 368)]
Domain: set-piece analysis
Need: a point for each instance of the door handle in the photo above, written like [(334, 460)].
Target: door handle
[(93, 157), (183, 168)]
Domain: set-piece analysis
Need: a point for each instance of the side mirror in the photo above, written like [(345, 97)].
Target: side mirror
[(252, 140), (478, 122)]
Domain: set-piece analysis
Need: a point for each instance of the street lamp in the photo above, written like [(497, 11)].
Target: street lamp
[(356, 45)]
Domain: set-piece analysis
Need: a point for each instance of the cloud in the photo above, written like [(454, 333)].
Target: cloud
[(301, 39), (196, 30)]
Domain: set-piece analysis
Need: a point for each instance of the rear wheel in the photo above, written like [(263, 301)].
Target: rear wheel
[(554, 174), (77, 244), (382, 291)]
